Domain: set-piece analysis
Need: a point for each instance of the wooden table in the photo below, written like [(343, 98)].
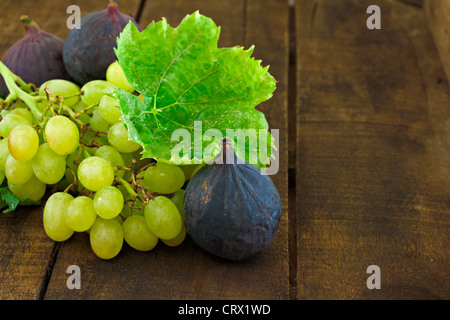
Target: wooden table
[(364, 119)]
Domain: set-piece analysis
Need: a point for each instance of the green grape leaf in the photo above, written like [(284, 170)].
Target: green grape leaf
[(193, 93), (8, 199)]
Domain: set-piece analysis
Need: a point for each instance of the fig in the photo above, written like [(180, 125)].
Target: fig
[(231, 209), (36, 58), (88, 51)]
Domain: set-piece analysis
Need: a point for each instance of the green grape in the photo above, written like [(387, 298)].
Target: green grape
[(48, 166), (23, 113), (62, 88), (164, 178), (163, 218), (116, 76), (23, 142), (188, 170), (177, 240), (108, 202), (95, 173), (94, 90), (113, 156), (18, 172), (177, 199), (62, 135), (106, 237), (33, 189), (54, 221), (137, 234), (109, 109), (4, 153), (98, 123), (9, 122), (80, 214), (119, 139)]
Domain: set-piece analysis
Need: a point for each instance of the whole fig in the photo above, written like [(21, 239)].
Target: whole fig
[(36, 58), (231, 209), (89, 51)]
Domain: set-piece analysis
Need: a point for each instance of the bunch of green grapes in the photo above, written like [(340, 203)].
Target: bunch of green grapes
[(81, 151)]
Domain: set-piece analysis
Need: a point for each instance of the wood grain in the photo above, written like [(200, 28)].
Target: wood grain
[(25, 252), (372, 154), (188, 272)]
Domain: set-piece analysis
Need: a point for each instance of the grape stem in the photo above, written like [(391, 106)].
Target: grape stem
[(72, 185), (86, 109), (145, 167), (118, 167), (85, 153), (13, 82), (127, 186), (74, 116), (93, 144)]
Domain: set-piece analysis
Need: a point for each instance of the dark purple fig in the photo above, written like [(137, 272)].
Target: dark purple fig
[(231, 209), (89, 51), (35, 58)]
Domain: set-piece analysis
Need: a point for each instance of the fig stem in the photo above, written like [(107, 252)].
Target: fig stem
[(26, 20), (16, 92)]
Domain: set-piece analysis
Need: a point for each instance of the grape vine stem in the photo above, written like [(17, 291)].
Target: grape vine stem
[(18, 89)]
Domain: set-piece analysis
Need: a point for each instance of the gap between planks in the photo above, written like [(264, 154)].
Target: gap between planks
[(292, 152)]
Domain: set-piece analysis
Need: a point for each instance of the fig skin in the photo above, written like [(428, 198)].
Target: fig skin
[(88, 51), (231, 210), (36, 58)]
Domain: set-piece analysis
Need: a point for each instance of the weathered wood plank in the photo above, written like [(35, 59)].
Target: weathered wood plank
[(188, 272), (25, 250), (372, 180)]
